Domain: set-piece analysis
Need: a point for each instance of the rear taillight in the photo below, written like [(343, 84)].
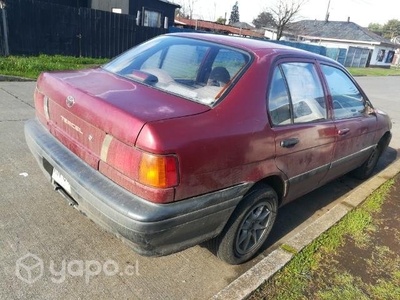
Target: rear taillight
[(153, 170), (42, 106), (159, 171), (46, 107)]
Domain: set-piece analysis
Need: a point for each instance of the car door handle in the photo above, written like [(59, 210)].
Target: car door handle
[(343, 131), (289, 142)]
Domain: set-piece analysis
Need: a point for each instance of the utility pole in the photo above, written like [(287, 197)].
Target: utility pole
[(327, 11)]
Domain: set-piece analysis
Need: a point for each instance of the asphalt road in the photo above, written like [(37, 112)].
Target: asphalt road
[(50, 251)]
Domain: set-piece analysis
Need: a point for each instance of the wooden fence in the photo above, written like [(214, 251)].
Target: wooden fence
[(32, 27)]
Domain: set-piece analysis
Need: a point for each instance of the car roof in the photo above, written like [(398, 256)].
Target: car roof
[(253, 45)]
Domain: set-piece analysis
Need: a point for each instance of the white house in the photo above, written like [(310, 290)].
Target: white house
[(364, 48)]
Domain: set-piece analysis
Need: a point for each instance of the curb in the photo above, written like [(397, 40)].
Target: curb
[(244, 285), (14, 78)]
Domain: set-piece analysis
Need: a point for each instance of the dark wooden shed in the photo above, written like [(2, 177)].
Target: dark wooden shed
[(149, 13)]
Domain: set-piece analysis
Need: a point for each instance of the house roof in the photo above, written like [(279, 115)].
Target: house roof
[(336, 30), (243, 25), (169, 2), (215, 27)]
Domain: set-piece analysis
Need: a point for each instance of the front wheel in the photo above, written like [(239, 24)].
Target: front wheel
[(249, 226), (366, 169)]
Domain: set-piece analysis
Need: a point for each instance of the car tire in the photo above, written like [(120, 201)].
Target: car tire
[(366, 169), (248, 227)]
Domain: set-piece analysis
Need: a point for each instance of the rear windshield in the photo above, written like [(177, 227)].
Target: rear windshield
[(196, 70)]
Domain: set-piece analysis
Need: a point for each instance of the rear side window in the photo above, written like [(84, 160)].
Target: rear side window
[(347, 100), (296, 95)]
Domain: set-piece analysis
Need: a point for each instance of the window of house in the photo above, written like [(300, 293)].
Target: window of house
[(381, 55), (347, 99), (152, 19), (389, 57)]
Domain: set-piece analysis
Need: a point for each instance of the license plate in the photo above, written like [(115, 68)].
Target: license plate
[(57, 177)]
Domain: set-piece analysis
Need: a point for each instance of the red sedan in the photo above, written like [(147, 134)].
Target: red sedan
[(192, 137)]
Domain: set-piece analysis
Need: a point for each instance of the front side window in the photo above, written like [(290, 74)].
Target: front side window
[(296, 94), (193, 69), (348, 102)]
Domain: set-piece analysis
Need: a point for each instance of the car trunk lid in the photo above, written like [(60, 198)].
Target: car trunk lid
[(85, 106)]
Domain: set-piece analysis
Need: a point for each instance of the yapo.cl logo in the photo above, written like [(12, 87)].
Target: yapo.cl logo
[(29, 268)]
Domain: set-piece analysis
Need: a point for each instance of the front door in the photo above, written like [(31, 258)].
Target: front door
[(355, 126)]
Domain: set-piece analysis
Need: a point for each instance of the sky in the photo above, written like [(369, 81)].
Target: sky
[(362, 12)]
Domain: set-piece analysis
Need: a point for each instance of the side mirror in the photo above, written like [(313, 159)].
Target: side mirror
[(369, 110)]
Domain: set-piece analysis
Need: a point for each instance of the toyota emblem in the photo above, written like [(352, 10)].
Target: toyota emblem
[(70, 101)]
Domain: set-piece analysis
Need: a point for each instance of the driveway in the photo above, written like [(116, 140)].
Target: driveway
[(50, 251)]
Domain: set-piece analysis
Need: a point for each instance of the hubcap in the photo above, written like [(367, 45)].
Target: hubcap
[(253, 228)]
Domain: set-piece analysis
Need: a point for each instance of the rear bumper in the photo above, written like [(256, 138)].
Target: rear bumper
[(151, 229)]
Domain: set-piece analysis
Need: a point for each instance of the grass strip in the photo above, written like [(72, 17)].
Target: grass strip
[(294, 279), (32, 66), (393, 71)]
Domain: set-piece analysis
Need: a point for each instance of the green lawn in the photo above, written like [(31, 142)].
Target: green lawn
[(374, 71), (32, 66)]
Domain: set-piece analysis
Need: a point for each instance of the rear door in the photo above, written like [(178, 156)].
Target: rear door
[(355, 127), (304, 132)]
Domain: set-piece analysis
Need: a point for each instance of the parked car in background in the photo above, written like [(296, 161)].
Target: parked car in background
[(192, 137)]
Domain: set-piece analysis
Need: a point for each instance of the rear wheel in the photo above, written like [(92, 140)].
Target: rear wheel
[(249, 226)]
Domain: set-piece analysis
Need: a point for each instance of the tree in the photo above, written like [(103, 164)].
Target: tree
[(221, 20), (376, 28), (234, 18), (264, 19), (181, 12), (391, 29), (187, 8), (191, 4), (284, 12)]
